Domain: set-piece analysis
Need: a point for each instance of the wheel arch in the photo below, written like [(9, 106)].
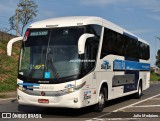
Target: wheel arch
[(103, 84)]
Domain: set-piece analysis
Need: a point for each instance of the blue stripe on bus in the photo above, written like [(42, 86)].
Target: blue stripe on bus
[(28, 84), (130, 65)]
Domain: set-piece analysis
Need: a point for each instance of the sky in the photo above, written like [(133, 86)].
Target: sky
[(141, 17)]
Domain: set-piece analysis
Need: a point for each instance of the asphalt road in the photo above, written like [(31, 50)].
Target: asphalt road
[(125, 108)]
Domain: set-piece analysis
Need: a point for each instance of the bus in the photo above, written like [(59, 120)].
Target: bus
[(79, 61)]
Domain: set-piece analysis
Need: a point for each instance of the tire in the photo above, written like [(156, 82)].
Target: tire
[(101, 101), (139, 93)]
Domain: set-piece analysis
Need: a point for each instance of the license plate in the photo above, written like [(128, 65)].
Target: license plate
[(43, 100)]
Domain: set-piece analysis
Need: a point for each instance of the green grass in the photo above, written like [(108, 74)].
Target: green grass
[(8, 67), (155, 77)]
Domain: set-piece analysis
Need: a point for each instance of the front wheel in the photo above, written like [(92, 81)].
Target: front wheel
[(101, 101), (139, 93)]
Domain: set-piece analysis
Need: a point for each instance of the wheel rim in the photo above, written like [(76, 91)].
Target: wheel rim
[(101, 100), (140, 91)]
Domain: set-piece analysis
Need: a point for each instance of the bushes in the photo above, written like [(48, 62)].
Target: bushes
[(154, 76)]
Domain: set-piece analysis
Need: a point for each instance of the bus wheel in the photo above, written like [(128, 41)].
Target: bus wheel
[(139, 93), (101, 101)]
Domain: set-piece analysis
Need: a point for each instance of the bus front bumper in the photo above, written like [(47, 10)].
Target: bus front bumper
[(71, 100)]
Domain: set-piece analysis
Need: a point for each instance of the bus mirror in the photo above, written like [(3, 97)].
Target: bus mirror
[(10, 43), (82, 42)]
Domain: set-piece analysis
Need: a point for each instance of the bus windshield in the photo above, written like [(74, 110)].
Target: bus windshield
[(46, 54)]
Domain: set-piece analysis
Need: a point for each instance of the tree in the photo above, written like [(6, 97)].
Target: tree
[(24, 14), (158, 59), (158, 56)]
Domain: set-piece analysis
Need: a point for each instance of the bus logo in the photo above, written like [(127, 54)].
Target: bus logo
[(105, 65), (43, 93)]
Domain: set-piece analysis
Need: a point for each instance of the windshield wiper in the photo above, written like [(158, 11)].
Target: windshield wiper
[(49, 59)]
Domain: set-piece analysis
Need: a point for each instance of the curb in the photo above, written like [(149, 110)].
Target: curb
[(155, 82), (4, 95)]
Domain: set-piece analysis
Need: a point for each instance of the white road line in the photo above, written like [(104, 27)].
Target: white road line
[(113, 119), (8, 99), (121, 119), (146, 106), (96, 119), (136, 103), (125, 107), (155, 99)]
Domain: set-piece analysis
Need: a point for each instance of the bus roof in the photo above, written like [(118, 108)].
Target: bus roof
[(78, 21), (67, 21)]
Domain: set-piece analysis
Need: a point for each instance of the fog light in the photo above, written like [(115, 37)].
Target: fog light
[(75, 100)]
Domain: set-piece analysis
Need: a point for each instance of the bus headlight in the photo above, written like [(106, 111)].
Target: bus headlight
[(21, 88), (69, 90), (74, 88)]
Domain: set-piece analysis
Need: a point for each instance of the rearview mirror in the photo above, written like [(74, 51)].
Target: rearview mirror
[(10, 43), (82, 42)]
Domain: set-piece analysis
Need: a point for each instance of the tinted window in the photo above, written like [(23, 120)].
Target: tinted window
[(123, 45), (94, 29), (132, 47), (113, 43)]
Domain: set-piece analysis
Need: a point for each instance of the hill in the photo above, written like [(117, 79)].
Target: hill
[(8, 66), (6, 36)]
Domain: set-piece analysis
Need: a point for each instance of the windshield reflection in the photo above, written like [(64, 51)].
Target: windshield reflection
[(46, 54)]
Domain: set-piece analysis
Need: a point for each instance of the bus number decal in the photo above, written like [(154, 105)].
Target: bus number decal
[(119, 65)]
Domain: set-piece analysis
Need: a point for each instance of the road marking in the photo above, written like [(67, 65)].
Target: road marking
[(136, 103), (155, 99), (131, 105), (104, 115), (98, 119), (146, 106), (121, 119), (113, 119), (8, 99)]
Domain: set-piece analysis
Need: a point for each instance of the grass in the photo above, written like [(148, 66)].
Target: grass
[(155, 77), (8, 67)]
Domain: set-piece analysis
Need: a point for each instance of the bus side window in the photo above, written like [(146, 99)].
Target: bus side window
[(111, 43), (117, 44), (91, 50), (105, 45)]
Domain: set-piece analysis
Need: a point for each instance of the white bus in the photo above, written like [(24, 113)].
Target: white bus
[(75, 62)]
